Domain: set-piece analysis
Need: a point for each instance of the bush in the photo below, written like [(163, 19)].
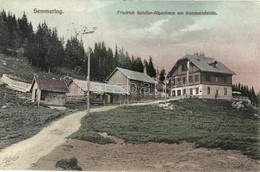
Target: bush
[(91, 136), (68, 164)]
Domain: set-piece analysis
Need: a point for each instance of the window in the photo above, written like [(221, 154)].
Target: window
[(216, 78), (197, 90), (196, 78), (225, 79), (179, 80), (178, 92), (190, 79), (184, 91), (225, 91), (184, 67), (183, 80), (216, 94), (173, 82), (208, 90), (43, 94), (98, 97), (208, 78), (190, 91)]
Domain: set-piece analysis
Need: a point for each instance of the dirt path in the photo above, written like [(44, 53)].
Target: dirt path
[(159, 157), (22, 155)]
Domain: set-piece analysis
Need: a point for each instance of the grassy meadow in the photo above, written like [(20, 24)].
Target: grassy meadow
[(205, 123)]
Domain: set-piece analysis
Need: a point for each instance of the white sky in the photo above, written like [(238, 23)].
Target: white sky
[(232, 36)]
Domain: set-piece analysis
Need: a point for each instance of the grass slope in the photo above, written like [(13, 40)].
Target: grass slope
[(206, 123), (21, 119), (19, 66)]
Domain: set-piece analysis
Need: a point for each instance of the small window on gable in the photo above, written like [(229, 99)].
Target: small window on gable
[(184, 67)]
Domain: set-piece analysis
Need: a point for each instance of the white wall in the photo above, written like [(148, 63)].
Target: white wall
[(203, 91)]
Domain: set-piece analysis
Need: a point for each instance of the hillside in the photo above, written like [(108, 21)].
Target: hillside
[(19, 117), (205, 123), (18, 66)]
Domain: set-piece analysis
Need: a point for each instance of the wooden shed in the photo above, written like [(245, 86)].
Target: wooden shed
[(138, 85), (100, 93), (49, 91)]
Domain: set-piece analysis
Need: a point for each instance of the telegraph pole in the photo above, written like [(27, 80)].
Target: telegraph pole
[(88, 75), (88, 83)]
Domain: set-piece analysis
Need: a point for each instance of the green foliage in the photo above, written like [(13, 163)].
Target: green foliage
[(75, 55), (91, 136), (245, 91), (4, 34), (150, 68), (13, 32), (218, 125), (162, 75), (45, 50), (68, 164)]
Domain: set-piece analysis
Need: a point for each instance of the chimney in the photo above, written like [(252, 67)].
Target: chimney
[(202, 54), (197, 54), (215, 63)]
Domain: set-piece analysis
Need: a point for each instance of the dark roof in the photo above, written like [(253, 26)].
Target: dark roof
[(205, 64), (133, 75), (52, 85)]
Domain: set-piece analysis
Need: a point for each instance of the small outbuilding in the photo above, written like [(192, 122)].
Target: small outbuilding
[(139, 86), (100, 93), (49, 91)]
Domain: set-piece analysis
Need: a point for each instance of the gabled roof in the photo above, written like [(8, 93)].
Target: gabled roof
[(205, 64), (99, 87), (50, 85), (133, 75)]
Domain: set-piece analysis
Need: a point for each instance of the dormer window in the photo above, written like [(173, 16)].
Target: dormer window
[(214, 64), (184, 67)]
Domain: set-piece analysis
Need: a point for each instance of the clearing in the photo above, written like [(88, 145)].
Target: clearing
[(210, 136), (204, 122), (22, 155)]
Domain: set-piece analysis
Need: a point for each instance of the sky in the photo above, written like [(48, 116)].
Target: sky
[(232, 36)]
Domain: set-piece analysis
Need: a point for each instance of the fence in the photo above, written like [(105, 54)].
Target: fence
[(11, 96), (76, 99)]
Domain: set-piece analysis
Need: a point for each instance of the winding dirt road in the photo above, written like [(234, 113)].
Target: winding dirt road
[(22, 155)]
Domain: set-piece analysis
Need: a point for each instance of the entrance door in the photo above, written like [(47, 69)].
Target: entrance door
[(216, 94)]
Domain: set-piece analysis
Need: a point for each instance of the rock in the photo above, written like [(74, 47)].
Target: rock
[(168, 165), (4, 107), (158, 166), (68, 164)]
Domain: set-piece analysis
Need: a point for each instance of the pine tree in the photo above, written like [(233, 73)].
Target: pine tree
[(162, 75), (75, 55), (4, 34), (116, 57), (150, 68), (25, 28)]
